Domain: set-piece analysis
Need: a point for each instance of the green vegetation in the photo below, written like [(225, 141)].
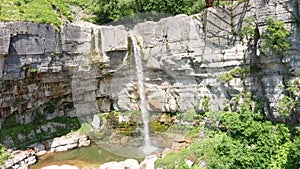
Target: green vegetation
[(158, 127), (58, 12), (85, 128), (9, 121), (226, 77), (176, 160), (3, 154), (240, 72), (33, 70), (248, 30), (33, 132), (189, 116), (242, 140), (107, 10), (128, 129), (275, 39), (41, 11), (125, 128), (286, 106), (291, 101), (206, 105)]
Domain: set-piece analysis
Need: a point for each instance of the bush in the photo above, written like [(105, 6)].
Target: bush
[(224, 77), (248, 30), (290, 102), (275, 39), (243, 140), (286, 106)]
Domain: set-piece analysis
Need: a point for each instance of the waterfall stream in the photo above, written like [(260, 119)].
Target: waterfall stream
[(148, 147)]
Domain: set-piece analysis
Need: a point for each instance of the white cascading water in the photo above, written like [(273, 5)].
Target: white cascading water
[(147, 148)]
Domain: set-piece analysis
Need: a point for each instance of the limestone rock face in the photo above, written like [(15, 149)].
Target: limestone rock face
[(86, 69)]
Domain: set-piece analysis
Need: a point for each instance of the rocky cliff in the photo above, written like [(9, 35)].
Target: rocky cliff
[(84, 68)]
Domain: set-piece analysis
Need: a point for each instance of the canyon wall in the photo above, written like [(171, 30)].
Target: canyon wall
[(83, 68)]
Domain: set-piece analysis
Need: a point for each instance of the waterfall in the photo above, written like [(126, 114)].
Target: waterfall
[(147, 148)]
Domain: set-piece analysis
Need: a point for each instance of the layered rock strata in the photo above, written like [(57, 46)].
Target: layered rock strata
[(83, 69)]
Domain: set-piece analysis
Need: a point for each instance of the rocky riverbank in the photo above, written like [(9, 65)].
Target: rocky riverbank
[(23, 158), (20, 159)]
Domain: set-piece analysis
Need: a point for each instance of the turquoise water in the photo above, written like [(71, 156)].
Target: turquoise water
[(84, 157)]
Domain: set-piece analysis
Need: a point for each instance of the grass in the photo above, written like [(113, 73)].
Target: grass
[(56, 12)]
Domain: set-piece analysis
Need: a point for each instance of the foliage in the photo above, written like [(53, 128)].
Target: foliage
[(56, 12), (189, 116), (158, 127), (275, 39), (85, 128), (112, 119), (112, 10), (286, 106), (3, 154), (81, 3), (259, 143), (226, 77), (248, 30), (40, 134), (240, 72), (290, 102), (128, 129), (107, 10), (293, 88), (206, 105), (181, 129), (42, 11), (174, 6), (9, 121), (175, 160), (243, 139)]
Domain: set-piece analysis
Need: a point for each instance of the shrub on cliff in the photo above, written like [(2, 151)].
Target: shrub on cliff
[(275, 40)]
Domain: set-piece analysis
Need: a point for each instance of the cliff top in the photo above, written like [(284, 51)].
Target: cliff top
[(59, 12), (56, 12)]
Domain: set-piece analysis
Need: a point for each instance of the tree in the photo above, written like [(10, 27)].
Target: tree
[(113, 10)]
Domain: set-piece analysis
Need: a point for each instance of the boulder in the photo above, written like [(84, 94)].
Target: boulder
[(41, 153), (148, 162), (113, 165), (131, 164)]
